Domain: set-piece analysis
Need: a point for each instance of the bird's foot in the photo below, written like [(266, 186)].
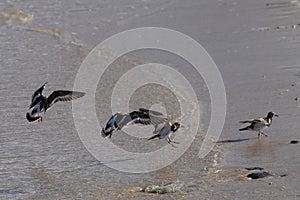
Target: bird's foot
[(172, 143), (265, 134)]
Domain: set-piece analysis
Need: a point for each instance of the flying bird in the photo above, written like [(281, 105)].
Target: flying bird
[(259, 124), (41, 103), (142, 116), (166, 131)]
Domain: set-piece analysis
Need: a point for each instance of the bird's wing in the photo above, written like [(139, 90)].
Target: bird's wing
[(122, 120), (261, 121), (36, 95), (152, 112), (155, 117), (146, 118), (110, 122), (62, 95), (113, 120), (158, 128), (247, 121), (156, 120), (164, 131)]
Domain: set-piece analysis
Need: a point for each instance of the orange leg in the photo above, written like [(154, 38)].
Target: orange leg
[(172, 142), (266, 135), (258, 135)]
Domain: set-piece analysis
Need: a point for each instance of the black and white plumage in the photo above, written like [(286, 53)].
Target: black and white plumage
[(166, 131), (259, 124), (142, 116), (40, 103)]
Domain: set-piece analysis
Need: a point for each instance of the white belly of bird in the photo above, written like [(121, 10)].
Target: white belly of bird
[(259, 127)]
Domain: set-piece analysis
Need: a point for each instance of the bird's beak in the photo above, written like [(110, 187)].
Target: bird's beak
[(276, 115)]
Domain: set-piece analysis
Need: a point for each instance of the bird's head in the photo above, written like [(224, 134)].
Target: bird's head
[(175, 126), (272, 114)]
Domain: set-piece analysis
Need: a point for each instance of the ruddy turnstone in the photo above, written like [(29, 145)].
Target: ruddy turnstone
[(166, 131), (142, 116), (259, 124), (40, 103)]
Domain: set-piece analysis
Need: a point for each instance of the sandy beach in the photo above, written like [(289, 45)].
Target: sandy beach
[(255, 45)]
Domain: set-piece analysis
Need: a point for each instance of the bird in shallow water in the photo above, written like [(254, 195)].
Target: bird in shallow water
[(41, 103), (166, 131), (259, 124), (141, 116)]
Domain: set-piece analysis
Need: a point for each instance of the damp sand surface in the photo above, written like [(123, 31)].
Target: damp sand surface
[(255, 45)]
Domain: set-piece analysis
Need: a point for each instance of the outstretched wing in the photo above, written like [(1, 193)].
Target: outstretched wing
[(61, 95), (158, 127), (147, 117), (35, 98), (151, 112)]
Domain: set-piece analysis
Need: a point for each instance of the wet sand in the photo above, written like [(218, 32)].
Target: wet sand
[(255, 45)]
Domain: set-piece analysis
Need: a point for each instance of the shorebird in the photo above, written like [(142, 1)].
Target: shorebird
[(142, 116), (166, 131), (259, 124), (40, 103)]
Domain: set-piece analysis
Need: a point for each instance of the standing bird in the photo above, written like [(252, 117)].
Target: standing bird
[(142, 116), (259, 124), (166, 130), (40, 103)]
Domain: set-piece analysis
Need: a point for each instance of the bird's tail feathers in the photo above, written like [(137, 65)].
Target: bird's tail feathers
[(244, 129), (246, 121), (153, 137)]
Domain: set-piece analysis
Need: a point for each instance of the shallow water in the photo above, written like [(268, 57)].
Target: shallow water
[(255, 45)]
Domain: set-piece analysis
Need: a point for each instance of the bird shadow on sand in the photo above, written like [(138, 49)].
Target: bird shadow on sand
[(234, 140)]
